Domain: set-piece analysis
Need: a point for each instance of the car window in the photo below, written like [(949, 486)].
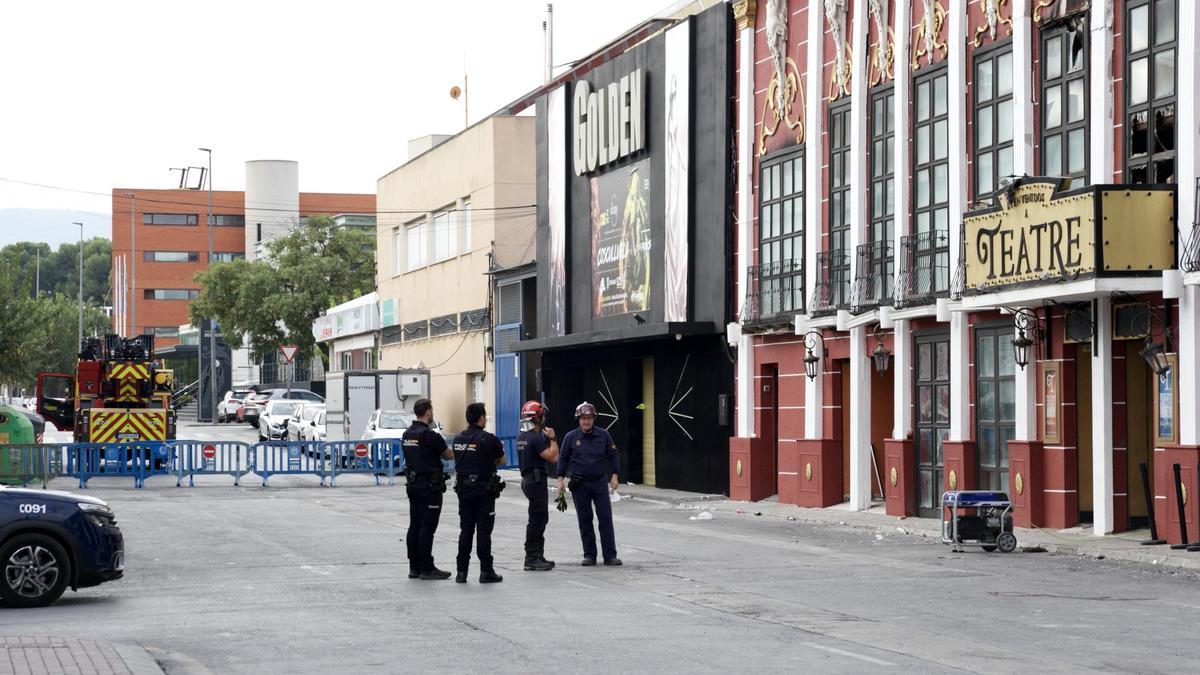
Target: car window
[(309, 396), (321, 418), (309, 412), (395, 420), (281, 408)]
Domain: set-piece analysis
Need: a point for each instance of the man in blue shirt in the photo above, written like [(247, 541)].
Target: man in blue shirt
[(477, 453), (536, 448), (588, 456), (424, 450)]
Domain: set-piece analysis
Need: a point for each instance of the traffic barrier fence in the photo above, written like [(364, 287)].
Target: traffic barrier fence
[(273, 458), (140, 461), (211, 458), (380, 457), (25, 463)]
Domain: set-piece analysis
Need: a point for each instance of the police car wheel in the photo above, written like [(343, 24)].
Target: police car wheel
[(1007, 542), (36, 571)]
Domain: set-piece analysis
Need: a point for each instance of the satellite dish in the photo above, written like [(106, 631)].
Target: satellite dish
[(455, 92)]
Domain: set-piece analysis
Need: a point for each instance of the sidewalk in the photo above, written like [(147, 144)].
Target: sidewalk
[(1124, 546), (28, 655)]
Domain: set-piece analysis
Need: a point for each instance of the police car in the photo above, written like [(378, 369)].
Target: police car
[(50, 541)]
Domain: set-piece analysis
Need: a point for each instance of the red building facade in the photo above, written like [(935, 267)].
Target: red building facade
[(889, 206)]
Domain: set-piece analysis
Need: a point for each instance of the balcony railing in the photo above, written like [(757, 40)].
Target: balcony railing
[(924, 268), (832, 290), (1191, 252), (774, 293), (873, 277)]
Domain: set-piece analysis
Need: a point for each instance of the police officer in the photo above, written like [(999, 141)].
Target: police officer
[(424, 450), (477, 453), (589, 457), (536, 445)]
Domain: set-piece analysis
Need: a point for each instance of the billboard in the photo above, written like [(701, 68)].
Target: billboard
[(621, 240)]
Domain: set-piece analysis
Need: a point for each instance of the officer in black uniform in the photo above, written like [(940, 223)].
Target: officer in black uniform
[(589, 457), (537, 446), (424, 450), (477, 453)]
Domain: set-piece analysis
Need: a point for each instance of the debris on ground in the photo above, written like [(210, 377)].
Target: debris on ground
[(703, 515)]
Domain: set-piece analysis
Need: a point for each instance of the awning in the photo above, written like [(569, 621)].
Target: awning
[(653, 331)]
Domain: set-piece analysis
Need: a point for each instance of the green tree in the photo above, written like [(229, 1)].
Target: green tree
[(60, 269), (263, 304)]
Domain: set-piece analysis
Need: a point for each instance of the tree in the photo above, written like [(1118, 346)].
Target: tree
[(60, 269), (263, 304)]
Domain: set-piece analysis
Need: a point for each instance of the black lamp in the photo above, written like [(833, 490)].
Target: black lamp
[(1156, 357), (881, 356), (1026, 322), (812, 362)]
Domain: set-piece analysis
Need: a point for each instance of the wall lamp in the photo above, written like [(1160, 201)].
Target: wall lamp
[(1155, 353), (1028, 324), (813, 340), (881, 357)]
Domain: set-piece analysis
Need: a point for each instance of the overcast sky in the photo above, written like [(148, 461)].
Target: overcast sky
[(96, 95)]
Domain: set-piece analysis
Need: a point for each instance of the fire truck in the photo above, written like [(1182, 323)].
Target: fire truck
[(118, 393)]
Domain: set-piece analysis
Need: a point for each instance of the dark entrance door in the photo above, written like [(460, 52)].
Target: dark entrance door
[(769, 415), (932, 417), (995, 403)]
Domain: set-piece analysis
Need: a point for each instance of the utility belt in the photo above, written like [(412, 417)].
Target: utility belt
[(538, 475), (576, 480), (435, 481), (491, 483)]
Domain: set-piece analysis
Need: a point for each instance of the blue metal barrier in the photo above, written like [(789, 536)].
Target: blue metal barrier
[(20, 464), (211, 458), (273, 458), (85, 461), (510, 452), (380, 457)]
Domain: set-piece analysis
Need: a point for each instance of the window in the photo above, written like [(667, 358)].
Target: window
[(228, 257), (397, 268), (443, 325), (993, 121), (476, 319), (346, 360), (170, 219), (165, 331), (1064, 101), (781, 235), (445, 226), (416, 330), (1150, 92), (169, 294), (223, 220), (464, 224), (931, 193), (170, 256), (839, 205), (931, 417), (258, 232), (995, 404), (416, 240), (883, 191)]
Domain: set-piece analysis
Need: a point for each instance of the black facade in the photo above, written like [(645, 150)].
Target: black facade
[(612, 347)]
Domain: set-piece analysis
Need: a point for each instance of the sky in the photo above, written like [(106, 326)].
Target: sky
[(97, 95)]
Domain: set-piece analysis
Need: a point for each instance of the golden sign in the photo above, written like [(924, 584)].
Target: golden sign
[(739, 468), (1019, 482), (808, 471), (894, 476), (953, 480), (1036, 231)]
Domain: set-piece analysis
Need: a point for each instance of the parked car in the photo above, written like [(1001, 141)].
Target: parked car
[(304, 414), (314, 429), (251, 406), (272, 422), (51, 541), (227, 408)]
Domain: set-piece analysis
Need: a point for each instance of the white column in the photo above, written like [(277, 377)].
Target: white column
[(1025, 393), (813, 224), (1102, 428), (745, 242), (860, 421), (1100, 111), (902, 374), (1187, 168), (960, 410)]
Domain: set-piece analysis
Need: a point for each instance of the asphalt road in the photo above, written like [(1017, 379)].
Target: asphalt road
[(307, 579)]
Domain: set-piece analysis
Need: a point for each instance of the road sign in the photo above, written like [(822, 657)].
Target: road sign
[(289, 352), (360, 450), (210, 451)]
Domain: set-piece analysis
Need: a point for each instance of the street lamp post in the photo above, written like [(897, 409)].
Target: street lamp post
[(132, 309), (212, 336), (80, 342)]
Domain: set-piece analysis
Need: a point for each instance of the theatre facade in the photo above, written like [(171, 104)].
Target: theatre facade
[(964, 256), (634, 190)]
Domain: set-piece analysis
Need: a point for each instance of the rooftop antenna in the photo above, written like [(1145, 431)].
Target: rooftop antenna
[(548, 32), (182, 175)]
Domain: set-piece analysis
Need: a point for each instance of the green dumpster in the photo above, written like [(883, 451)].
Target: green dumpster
[(16, 438)]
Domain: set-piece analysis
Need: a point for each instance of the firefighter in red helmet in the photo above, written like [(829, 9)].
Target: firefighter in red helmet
[(536, 446)]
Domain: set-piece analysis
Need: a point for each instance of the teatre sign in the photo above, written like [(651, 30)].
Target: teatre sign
[(1030, 235), (609, 123)]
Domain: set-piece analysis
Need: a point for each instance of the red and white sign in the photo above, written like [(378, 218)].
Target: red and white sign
[(360, 450), (210, 451), (289, 352)]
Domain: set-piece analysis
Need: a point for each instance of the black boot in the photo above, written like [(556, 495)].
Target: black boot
[(413, 572), (490, 577), (542, 556), (434, 573), (538, 565), (461, 577)]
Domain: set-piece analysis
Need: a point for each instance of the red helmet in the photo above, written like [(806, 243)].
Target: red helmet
[(585, 408), (534, 411)]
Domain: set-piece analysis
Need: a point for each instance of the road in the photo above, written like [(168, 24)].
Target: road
[(301, 578)]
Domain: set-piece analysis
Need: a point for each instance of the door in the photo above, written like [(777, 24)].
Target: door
[(843, 399), (769, 416), (1139, 440), (931, 418), (648, 421), (1083, 428), (56, 399), (995, 404)]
